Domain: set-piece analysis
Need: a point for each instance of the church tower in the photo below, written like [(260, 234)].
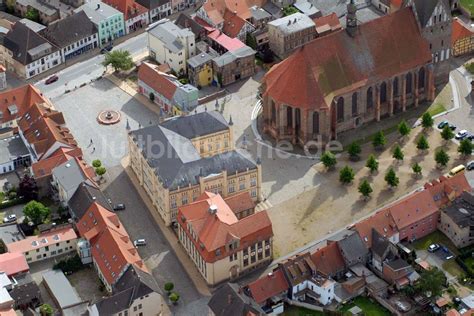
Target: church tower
[(351, 19)]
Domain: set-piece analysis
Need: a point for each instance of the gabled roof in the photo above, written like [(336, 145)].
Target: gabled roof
[(21, 99), (42, 240), (424, 9), (382, 222), (327, 22), (240, 202), (233, 24), (72, 173), (69, 30), (215, 9), (328, 260), (185, 21), (129, 8), (152, 4), (157, 80), (266, 287), (197, 125), (352, 248), (444, 189), (85, 195), (460, 30), (43, 168), (379, 243), (13, 263), (229, 300), (298, 268), (230, 44), (337, 63)]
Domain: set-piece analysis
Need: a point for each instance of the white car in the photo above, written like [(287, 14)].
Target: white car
[(433, 247), (139, 242), (461, 134), (10, 218)]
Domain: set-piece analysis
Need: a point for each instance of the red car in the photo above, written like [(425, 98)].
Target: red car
[(52, 79)]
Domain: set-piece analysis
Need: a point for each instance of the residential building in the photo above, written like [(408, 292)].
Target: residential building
[(111, 248), (353, 249), (308, 8), (169, 44), (200, 69), (46, 245), (329, 261), (85, 195), (135, 15), (230, 300), (462, 38), (456, 220), (68, 176), (241, 204), (270, 291), (71, 39), (222, 246), (7, 20), (287, 34), (165, 90), (234, 65), (259, 17), (3, 78), (47, 13), (136, 293), (13, 154), (157, 9), (236, 27), (218, 12), (446, 189), (185, 21), (63, 294), (382, 222), (399, 272), (26, 53), (13, 264), (32, 25), (25, 293), (198, 155), (305, 99), (109, 21), (222, 43), (327, 24)]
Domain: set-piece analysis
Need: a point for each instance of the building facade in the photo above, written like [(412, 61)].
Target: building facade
[(456, 220), (234, 65), (462, 38)]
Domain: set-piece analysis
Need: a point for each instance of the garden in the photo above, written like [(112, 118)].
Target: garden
[(368, 306)]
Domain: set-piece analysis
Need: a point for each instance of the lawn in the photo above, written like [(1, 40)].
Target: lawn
[(300, 311), (436, 108), (453, 268), (436, 237), (368, 306), (468, 5), (470, 66)]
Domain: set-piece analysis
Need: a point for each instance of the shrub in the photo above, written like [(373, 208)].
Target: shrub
[(426, 120), (372, 163), (328, 159), (169, 286), (174, 297), (391, 178), (379, 140), (96, 163), (346, 175), (354, 150), (72, 264)]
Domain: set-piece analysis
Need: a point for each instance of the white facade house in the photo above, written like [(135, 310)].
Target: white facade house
[(79, 47), (160, 12), (169, 44), (322, 287), (133, 23), (381, 5), (42, 64)]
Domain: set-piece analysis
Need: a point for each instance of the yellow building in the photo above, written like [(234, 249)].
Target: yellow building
[(183, 157), (200, 72), (462, 38)]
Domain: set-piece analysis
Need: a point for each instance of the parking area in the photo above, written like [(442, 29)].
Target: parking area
[(81, 108), (10, 233)]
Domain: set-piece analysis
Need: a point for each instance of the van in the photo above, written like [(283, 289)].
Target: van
[(457, 170)]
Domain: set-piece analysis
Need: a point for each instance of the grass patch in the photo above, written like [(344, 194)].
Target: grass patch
[(468, 5), (2, 196), (368, 139), (436, 237), (368, 306), (436, 108), (453, 268), (300, 311), (470, 67), (2, 215)]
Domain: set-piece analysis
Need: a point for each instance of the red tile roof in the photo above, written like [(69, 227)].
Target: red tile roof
[(446, 189), (232, 24), (215, 9), (331, 20), (13, 263), (129, 8), (268, 286), (42, 240), (382, 222), (230, 44), (214, 231), (397, 3), (156, 80), (112, 249), (23, 97), (337, 63), (43, 168), (328, 260), (240, 202), (459, 30)]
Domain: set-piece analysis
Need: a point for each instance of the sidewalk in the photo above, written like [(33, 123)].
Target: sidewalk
[(191, 270)]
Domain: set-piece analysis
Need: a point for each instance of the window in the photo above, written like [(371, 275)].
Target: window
[(370, 98), (354, 104), (139, 306), (383, 92), (253, 182), (421, 78), (340, 109), (408, 87), (242, 186)]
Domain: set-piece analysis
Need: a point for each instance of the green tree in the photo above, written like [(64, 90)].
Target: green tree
[(289, 10), (100, 171), (422, 143), (465, 147), (403, 128), (391, 178), (328, 159), (398, 153), (36, 212), (447, 133), (354, 151), (27, 188), (365, 189), (432, 281), (46, 310), (174, 297), (169, 286), (372, 163), (416, 169), (427, 120), (250, 41), (346, 175), (379, 140), (96, 163), (119, 59), (3, 247), (441, 158), (32, 14)]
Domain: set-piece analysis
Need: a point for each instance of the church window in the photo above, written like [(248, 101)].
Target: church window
[(383, 92), (370, 98), (340, 109), (354, 104), (408, 83), (421, 78)]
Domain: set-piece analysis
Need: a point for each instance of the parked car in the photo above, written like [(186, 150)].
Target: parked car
[(449, 257), (470, 136), (470, 165), (106, 49), (433, 247), (442, 124), (461, 134), (139, 242), (52, 79), (119, 207), (452, 127), (9, 218)]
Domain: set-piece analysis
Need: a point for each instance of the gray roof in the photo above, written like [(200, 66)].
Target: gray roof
[(379, 243), (177, 162), (461, 210), (82, 199), (152, 4), (230, 56), (11, 148), (9, 17), (185, 21), (259, 14), (25, 291), (197, 125), (425, 8), (199, 59), (98, 15), (60, 288), (353, 248), (307, 7), (34, 26), (273, 9), (293, 23), (69, 174), (41, 6), (69, 30), (228, 300), (170, 34), (397, 264)]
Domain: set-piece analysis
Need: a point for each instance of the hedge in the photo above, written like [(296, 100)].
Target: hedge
[(13, 202)]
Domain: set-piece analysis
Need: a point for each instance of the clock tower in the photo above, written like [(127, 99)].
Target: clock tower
[(351, 19)]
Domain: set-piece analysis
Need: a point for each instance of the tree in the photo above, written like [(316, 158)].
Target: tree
[(403, 128), (289, 10), (96, 163), (465, 147), (379, 140), (250, 41), (346, 175), (328, 159), (46, 309), (36, 212), (28, 188), (441, 158), (427, 121), (100, 171), (169, 286), (416, 169), (174, 297), (372, 163), (32, 14), (119, 59), (398, 153), (3, 247), (391, 178), (447, 133), (432, 281), (354, 150), (365, 189), (422, 143)]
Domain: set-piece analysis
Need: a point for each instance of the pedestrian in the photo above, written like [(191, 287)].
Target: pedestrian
[(91, 141), (93, 150)]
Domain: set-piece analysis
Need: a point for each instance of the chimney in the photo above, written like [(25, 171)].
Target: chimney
[(98, 6), (351, 19), (213, 209)]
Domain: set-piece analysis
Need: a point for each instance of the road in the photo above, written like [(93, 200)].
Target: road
[(88, 70)]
